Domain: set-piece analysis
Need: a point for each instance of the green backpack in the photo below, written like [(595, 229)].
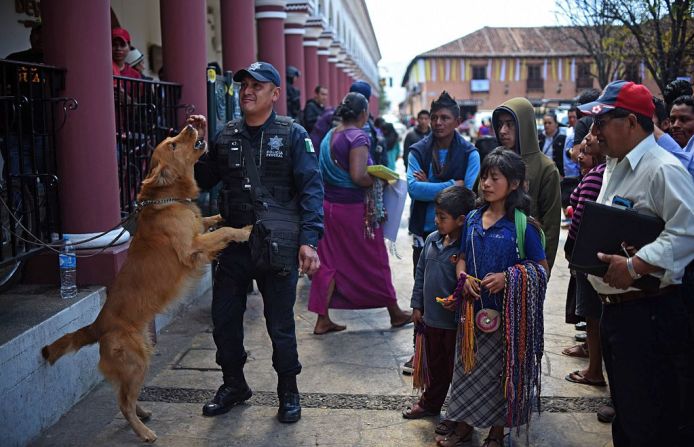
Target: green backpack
[(521, 220)]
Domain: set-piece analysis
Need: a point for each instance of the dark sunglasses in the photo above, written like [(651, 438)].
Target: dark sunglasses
[(600, 121)]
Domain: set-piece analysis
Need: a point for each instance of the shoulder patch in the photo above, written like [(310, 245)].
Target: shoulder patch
[(308, 144)]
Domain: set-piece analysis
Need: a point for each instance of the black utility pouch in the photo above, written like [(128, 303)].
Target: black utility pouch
[(274, 240)]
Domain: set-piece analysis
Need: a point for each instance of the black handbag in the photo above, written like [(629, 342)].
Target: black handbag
[(274, 239)]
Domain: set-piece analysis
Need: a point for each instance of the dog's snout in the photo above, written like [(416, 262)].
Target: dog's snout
[(190, 129)]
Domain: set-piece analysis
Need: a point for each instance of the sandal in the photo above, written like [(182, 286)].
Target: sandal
[(445, 427), (454, 439), (577, 377), (416, 411), (577, 351)]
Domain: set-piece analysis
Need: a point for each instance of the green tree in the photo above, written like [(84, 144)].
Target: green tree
[(383, 101), (594, 30), (662, 31)]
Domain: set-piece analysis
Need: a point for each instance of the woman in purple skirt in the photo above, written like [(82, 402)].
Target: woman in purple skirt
[(354, 271)]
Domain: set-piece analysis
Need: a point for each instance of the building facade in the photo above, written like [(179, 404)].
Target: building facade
[(485, 68), (331, 42)]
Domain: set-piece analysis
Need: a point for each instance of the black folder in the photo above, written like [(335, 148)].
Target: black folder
[(603, 228)]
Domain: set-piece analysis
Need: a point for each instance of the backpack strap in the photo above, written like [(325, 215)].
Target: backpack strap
[(521, 221)]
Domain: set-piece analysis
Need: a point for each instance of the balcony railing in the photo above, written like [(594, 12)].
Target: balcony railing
[(145, 114), (31, 112), (535, 85)]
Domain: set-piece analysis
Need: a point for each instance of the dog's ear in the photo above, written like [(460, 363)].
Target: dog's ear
[(159, 175)]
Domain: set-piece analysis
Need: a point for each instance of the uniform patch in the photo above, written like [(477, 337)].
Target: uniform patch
[(275, 148), (308, 144)]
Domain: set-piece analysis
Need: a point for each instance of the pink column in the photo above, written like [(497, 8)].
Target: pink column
[(294, 47), (324, 65), (344, 85), (311, 76), (334, 89), (238, 32), (373, 103), (184, 51), (270, 15), (86, 146)]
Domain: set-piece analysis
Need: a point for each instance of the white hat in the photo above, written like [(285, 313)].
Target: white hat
[(134, 57)]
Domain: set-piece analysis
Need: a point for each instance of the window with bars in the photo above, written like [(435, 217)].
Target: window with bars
[(479, 72), (535, 81), (583, 77)]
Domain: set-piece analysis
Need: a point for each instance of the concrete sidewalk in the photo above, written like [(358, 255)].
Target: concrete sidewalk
[(352, 388)]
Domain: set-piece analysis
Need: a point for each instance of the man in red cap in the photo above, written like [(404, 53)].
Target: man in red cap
[(120, 47), (647, 342)]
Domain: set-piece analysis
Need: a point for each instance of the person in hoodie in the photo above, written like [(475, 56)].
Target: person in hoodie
[(514, 124)]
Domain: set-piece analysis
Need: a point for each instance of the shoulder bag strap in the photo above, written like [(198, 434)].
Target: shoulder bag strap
[(257, 189)]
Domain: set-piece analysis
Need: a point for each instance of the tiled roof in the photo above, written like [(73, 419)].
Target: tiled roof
[(511, 42)]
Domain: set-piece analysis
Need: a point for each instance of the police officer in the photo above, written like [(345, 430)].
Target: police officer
[(288, 168)]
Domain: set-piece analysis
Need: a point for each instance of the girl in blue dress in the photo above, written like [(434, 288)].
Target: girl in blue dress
[(488, 248)]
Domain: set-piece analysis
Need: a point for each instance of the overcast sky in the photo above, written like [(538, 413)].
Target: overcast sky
[(406, 28)]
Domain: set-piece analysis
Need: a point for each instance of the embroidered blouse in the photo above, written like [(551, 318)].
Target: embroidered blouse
[(495, 250)]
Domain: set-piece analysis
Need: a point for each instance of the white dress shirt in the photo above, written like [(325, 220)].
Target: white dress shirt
[(658, 185)]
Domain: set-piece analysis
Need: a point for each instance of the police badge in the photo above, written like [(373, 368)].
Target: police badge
[(275, 148)]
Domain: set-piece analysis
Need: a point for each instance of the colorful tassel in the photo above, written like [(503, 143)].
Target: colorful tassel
[(523, 325), (420, 373), (466, 332)]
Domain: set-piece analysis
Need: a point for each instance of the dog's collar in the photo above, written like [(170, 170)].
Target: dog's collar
[(140, 205)]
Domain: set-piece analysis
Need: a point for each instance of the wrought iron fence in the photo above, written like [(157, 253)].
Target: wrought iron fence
[(31, 112), (222, 106), (145, 114)]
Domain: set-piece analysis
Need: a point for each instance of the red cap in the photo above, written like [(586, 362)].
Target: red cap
[(121, 33), (635, 98)]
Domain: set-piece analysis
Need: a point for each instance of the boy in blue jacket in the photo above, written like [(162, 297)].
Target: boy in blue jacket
[(435, 277)]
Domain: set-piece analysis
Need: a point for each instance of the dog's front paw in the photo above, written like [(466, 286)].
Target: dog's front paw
[(236, 234), (212, 221)]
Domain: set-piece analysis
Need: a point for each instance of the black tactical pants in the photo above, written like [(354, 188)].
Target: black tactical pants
[(232, 276)]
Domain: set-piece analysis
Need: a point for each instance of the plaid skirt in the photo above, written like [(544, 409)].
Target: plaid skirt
[(478, 398)]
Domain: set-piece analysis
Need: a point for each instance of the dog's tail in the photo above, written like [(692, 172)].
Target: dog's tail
[(73, 341)]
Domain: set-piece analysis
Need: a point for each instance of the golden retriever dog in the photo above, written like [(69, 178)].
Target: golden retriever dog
[(170, 247)]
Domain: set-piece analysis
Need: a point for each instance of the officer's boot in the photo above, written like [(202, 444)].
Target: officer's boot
[(233, 391), (290, 400)]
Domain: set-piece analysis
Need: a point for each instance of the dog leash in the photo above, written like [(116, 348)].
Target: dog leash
[(139, 206)]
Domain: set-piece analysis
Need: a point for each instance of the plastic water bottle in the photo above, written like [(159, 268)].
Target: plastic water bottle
[(68, 270)]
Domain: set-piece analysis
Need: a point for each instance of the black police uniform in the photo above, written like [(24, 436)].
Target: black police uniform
[(288, 168)]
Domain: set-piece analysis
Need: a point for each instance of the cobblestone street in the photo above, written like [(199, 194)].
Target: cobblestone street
[(352, 387)]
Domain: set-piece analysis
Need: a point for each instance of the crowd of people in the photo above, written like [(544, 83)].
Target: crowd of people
[(485, 227), (485, 221)]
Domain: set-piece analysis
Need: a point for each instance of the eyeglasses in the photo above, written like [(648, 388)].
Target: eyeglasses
[(600, 121)]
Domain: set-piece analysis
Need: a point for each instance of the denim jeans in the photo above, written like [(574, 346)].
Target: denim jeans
[(233, 274)]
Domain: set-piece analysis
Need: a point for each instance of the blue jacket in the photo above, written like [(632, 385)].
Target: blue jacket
[(463, 163), (435, 277)]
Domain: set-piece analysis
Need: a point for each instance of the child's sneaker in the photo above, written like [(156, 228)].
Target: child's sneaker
[(407, 368)]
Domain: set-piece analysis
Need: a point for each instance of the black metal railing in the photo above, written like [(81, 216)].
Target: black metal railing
[(31, 112), (146, 113), (222, 107)]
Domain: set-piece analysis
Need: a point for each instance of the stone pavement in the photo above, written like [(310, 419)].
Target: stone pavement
[(352, 388)]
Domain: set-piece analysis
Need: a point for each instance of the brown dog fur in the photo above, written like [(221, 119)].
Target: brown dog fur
[(169, 247)]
